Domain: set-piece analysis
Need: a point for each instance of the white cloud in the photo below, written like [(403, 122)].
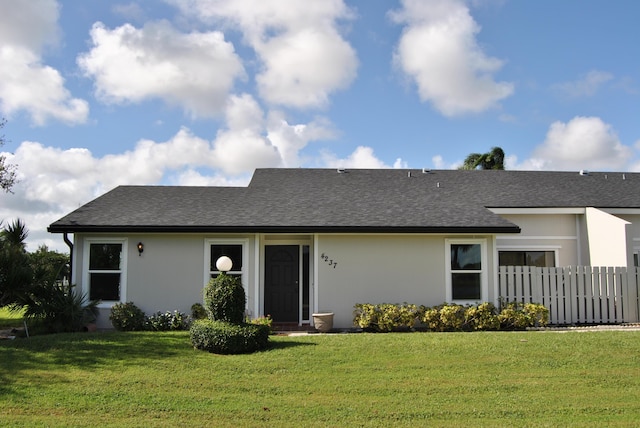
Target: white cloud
[(26, 84), (303, 56), (55, 181), (362, 157), (438, 50), (30, 24), (439, 163), (193, 71), (587, 85), (581, 143), (290, 140)]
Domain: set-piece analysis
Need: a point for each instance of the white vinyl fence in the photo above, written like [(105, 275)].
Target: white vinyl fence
[(575, 294)]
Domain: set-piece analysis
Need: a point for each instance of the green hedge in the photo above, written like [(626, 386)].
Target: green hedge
[(221, 337), (387, 317)]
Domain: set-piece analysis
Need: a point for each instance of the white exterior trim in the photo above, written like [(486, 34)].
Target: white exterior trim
[(556, 238), (538, 211), (124, 257)]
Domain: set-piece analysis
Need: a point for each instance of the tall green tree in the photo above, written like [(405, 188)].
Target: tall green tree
[(16, 272), (7, 171), (494, 159)]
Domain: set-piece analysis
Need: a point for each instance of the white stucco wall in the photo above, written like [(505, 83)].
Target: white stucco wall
[(545, 232), (383, 269), (607, 238), (168, 276)]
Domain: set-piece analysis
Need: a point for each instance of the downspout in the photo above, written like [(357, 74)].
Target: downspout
[(65, 236)]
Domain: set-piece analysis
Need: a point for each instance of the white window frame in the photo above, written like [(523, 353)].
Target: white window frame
[(208, 242), (123, 267), (484, 283)]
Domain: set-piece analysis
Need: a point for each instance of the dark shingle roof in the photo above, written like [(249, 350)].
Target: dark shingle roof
[(308, 200)]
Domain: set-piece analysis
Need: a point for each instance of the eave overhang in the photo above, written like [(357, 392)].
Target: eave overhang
[(282, 229)]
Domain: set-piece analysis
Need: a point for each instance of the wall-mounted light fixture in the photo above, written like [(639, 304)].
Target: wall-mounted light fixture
[(140, 248)]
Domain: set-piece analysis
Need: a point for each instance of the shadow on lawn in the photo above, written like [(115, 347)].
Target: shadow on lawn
[(36, 356)]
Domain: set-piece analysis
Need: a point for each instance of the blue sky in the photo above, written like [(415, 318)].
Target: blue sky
[(202, 92)]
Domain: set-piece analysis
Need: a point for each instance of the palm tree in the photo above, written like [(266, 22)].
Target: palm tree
[(15, 269), (492, 160)]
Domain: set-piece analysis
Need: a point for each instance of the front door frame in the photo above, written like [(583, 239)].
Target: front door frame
[(300, 242)]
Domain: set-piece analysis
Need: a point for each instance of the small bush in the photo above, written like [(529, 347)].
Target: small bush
[(225, 299), (538, 314), (431, 318), (58, 308), (167, 321), (198, 311), (482, 317), (127, 317), (266, 321), (220, 337), (519, 316), (385, 317), (450, 317)]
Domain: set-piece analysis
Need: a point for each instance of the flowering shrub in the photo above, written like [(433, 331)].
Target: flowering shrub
[(482, 317), (385, 317), (518, 316), (167, 321), (449, 317)]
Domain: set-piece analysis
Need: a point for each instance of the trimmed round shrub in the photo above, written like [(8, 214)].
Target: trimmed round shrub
[(127, 317), (220, 337), (224, 299)]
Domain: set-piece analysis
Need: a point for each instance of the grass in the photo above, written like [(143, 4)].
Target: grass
[(412, 379), (10, 318)]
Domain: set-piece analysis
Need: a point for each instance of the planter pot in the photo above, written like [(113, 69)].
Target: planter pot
[(323, 322)]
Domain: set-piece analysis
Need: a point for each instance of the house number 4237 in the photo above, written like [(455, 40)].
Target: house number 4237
[(326, 259)]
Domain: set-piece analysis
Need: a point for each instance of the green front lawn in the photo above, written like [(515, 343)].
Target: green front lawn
[(10, 318), (411, 379)]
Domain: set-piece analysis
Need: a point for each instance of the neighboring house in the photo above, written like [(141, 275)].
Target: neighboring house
[(310, 240)]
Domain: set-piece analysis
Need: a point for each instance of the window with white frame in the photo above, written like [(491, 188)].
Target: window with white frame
[(105, 270), (538, 258), (466, 271), (234, 249)]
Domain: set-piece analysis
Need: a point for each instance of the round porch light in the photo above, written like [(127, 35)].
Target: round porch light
[(224, 264)]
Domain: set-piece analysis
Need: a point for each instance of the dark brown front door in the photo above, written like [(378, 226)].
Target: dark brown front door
[(281, 287)]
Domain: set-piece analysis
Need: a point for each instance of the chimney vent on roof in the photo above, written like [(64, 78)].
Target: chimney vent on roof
[(426, 171), (341, 170), (584, 172), (624, 177), (409, 174)]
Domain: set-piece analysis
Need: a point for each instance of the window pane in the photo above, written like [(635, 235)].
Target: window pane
[(465, 286), (527, 258), (105, 256), (466, 257), (511, 258), (234, 252), (104, 286)]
